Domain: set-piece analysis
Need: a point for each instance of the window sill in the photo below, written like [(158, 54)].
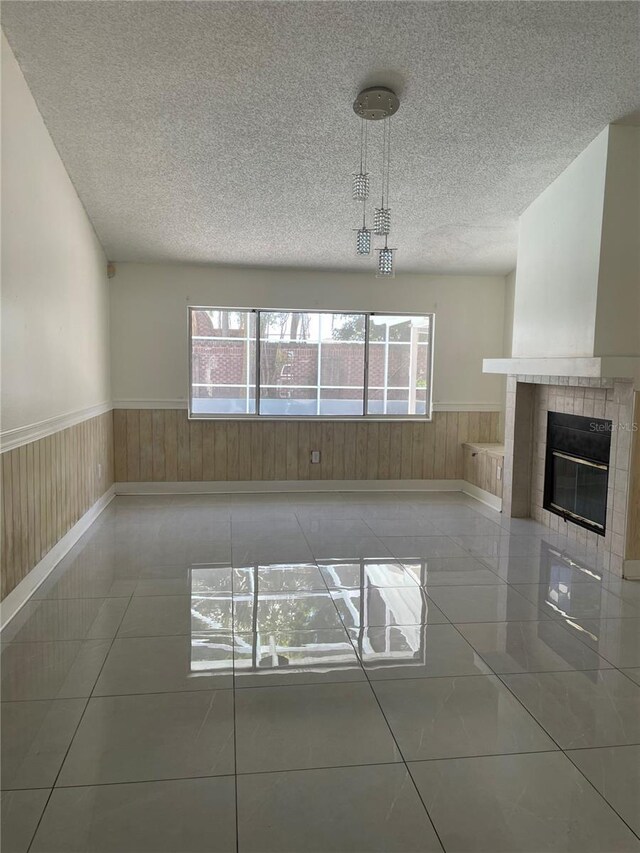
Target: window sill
[(317, 418)]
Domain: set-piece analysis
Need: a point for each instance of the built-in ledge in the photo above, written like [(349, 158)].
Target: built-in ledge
[(599, 367), (491, 449)]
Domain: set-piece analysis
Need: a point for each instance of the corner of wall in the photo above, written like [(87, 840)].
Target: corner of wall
[(617, 327)]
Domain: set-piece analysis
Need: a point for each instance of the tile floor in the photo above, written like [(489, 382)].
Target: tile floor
[(322, 672)]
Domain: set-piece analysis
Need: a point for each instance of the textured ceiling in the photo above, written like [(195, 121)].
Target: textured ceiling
[(222, 132)]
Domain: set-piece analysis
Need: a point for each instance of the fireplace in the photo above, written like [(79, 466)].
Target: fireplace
[(577, 469)]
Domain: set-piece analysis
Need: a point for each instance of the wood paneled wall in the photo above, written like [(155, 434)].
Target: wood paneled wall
[(163, 445), (47, 486)]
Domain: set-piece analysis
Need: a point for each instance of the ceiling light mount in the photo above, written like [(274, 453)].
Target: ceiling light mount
[(376, 103)]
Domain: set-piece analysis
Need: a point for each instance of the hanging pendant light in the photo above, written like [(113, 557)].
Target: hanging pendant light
[(361, 178), (385, 262), (382, 216), (361, 193), (363, 241), (382, 221), (375, 104)]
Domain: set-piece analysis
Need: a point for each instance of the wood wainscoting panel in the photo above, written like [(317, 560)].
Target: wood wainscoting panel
[(49, 484), (163, 445)]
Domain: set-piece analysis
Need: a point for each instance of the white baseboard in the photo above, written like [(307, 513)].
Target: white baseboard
[(483, 496), (270, 486), (28, 585), (631, 570), (230, 487)]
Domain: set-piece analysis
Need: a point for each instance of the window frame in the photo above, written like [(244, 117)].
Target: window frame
[(256, 416)]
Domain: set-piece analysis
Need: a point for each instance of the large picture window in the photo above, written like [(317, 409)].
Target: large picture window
[(309, 364)]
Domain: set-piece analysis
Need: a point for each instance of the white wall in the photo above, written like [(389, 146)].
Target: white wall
[(509, 301), (558, 261), (149, 321), (55, 305), (618, 310)]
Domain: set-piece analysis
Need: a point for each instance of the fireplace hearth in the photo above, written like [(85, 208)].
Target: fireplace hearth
[(577, 469)]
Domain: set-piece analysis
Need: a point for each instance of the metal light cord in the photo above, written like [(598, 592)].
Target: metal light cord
[(388, 156), (384, 151)]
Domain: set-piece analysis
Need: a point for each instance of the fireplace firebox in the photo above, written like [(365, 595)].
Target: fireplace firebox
[(577, 469)]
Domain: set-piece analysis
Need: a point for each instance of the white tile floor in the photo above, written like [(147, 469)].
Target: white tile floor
[(322, 672)]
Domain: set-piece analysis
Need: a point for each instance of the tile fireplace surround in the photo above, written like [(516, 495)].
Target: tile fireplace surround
[(529, 399)]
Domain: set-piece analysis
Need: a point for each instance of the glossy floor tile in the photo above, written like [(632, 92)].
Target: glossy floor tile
[(378, 606), (157, 616), (633, 674), (457, 716), (329, 672), (51, 670), (425, 547), (616, 640), (319, 725), (35, 739), (581, 709), (20, 812), (66, 619), (346, 546), (451, 571), (407, 525), (167, 665), (615, 772), (367, 573), (275, 550), (507, 803), (474, 525), (342, 809), (415, 651), (486, 603), (181, 580), (195, 815), (85, 581), (273, 611), (293, 577), (588, 601), (151, 737), (278, 658), (499, 545), (533, 570), (541, 646)]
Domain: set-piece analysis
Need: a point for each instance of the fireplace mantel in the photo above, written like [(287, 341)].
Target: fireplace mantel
[(600, 367)]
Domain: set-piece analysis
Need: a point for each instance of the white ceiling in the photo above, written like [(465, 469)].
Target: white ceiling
[(223, 131)]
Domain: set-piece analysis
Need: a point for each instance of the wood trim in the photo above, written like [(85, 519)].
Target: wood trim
[(163, 445), (12, 438), (47, 486)]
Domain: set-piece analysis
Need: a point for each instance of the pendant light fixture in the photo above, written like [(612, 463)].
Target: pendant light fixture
[(361, 178), (385, 262), (361, 193), (382, 216), (375, 104)]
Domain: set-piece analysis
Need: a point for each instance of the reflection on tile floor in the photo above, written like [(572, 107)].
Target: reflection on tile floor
[(424, 672)]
